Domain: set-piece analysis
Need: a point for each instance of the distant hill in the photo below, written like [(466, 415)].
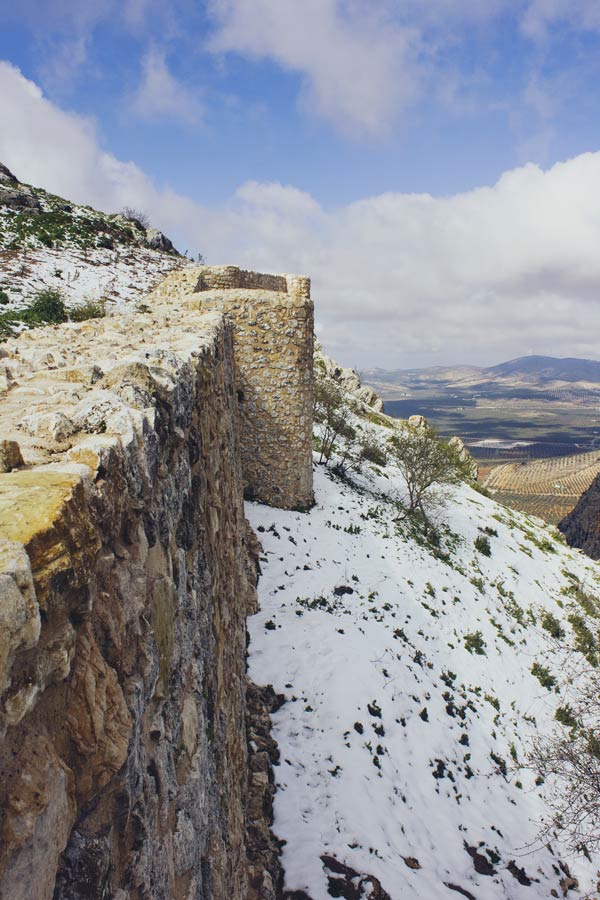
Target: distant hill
[(548, 368), (531, 371)]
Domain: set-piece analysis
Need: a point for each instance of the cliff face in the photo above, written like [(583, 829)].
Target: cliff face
[(127, 570), (581, 527)]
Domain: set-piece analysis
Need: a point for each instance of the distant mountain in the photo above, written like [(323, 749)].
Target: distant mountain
[(548, 368), (531, 371)]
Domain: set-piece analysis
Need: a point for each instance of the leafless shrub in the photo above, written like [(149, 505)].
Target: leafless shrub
[(136, 216)]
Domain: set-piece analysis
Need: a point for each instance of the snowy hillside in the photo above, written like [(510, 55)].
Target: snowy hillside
[(48, 242), (411, 699)]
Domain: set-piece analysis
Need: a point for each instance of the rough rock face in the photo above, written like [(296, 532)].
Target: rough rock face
[(156, 240), (581, 527), (18, 196), (125, 580), (6, 175), (349, 380)]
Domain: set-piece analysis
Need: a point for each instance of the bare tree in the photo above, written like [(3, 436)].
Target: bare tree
[(569, 759), (332, 412), (425, 461), (136, 216)]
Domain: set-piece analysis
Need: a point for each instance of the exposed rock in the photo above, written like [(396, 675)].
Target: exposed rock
[(10, 456), (54, 425), (465, 457), (481, 863), (156, 240), (6, 176), (19, 611), (39, 811), (581, 527), (519, 873), (347, 882), (459, 890), (18, 196), (365, 396)]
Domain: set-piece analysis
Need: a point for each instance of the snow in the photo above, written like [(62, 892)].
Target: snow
[(383, 695), (122, 276)]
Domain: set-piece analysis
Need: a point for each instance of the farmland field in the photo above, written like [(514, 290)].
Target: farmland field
[(537, 444), (504, 429), (548, 488)]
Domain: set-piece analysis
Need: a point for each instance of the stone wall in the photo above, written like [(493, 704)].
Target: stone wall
[(273, 348), (125, 579)]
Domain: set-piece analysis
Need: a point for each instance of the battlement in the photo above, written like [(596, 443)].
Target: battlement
[(212, 278)]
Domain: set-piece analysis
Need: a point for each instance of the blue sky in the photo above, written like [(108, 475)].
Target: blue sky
[(294, 134)]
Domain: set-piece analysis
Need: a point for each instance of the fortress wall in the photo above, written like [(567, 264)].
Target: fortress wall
[(125, 579), (126, 573)]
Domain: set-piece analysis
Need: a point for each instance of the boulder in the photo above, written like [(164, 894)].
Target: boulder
[(10, 456), (18, 196), (6, 175), (156, 240)]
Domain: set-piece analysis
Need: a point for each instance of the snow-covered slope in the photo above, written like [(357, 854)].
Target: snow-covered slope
[(411, 700)]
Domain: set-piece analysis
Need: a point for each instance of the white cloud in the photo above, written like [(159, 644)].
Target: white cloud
[(404, 279), (161, 96), (398, 279), (61, 151), (355, 61)]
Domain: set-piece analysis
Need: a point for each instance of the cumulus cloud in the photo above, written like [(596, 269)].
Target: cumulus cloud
[(398, 279), (409, 279), (355, 61), (161, 96), (61, 151)]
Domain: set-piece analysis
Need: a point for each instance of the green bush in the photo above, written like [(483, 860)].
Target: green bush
[(564, 715), (482, 545), (90, 309), (552, 625), (474, 643), (3, 297), (47, 307), (543, 676), (371, 451)]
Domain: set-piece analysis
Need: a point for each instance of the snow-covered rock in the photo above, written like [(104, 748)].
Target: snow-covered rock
[(349, 381)]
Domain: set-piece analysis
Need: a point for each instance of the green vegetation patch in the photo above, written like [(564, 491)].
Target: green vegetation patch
[(543, 676), (47, 308)]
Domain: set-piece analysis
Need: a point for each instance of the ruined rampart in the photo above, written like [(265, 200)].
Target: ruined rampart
[(126, 573)]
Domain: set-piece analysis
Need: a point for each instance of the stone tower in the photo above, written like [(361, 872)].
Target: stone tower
[(273, 322)]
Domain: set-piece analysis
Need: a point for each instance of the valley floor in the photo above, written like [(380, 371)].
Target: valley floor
[(410, 697)]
